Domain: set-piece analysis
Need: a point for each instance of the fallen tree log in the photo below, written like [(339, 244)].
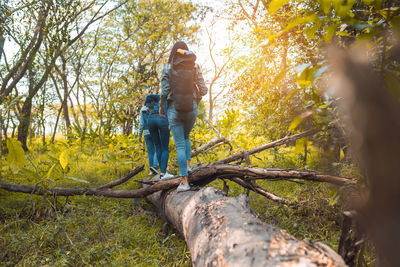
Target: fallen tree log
[(222, 231), (200, 176)]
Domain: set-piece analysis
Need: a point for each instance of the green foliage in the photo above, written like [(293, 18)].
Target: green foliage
[(16, 155), (87, 231), (80, 231), (282, 77), (128, 59)]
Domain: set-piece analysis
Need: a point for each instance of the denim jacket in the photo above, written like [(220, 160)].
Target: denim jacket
[(143, 123), (166, 92)]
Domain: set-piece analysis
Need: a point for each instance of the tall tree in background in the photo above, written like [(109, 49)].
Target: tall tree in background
[(39, 22), (135, 43), (219, 72)]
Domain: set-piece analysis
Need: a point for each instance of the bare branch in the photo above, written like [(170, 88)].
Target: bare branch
[(26, 57), (262, 191), (279, 142), (123, 179), (209, 145)]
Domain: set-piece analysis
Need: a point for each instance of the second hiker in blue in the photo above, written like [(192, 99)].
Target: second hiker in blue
[(144, 130), (159, 132), (182, 86)]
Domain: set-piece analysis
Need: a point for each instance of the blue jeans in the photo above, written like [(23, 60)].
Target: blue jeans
[(159, 132), (151, 151), (181, 123)]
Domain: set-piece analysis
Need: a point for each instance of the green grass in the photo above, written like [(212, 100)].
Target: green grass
[(83, 231)]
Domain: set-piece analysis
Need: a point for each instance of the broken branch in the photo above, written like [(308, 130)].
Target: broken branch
[(262, 191), (211, 145), (279, 142)]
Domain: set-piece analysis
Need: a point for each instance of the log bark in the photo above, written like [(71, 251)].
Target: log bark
[(222, 231)]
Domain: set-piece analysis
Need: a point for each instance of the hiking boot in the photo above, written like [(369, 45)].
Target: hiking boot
[(167, 176), (153, 170), (183, 187)]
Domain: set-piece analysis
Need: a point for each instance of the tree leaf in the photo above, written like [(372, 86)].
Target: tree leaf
[(51, 171), (325, 6), (378, 4), (55, 172), (341, 154), (330, 31), (64, 159), (30, 174), (301, 20), (319, 71), (295, 122), (275, 5), (392, 84), (16, 154), (300, 145), (368, 2), (342, 8)]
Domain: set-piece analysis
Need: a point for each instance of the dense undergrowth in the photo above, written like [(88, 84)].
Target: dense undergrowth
[(85, 230)]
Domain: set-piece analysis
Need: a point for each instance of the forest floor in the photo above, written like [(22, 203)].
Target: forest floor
[(87, 230)]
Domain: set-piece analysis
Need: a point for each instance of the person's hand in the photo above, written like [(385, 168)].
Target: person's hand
[(161, 111), (181, 51)]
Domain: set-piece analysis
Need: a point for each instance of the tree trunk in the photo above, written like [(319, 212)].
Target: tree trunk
[(63, 75), (1, 131), (56, 125), (305, 154), (222, 231), (44, 134), (1, 45), (66, 115), (129, 121), (24, 122)]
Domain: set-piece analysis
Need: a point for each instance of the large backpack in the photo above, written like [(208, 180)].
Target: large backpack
[(182, 74)]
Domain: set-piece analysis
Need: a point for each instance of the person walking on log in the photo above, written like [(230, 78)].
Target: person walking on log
[(150, 146), (182, 86), (159, 132)]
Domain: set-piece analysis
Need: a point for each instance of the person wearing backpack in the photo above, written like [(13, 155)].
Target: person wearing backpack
[(150, 146), (159, 132), (182, 86)]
